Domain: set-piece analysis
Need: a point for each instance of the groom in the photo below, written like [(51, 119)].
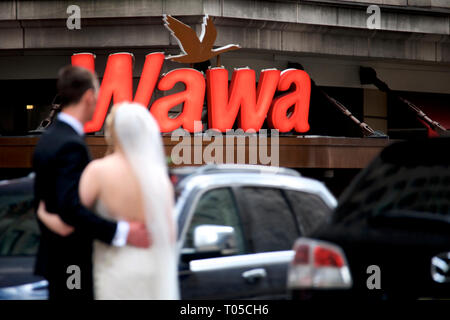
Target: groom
[(59, 160)]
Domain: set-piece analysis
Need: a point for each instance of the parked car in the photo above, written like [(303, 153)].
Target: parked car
[(19, 239), (389, 237), (236, 228)]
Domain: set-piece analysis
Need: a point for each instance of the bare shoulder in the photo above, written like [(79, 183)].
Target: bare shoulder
[(94, 167), (89, 187), (109, 165)]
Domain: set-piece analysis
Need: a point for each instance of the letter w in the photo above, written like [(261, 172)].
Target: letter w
[(224, 105), (117, 82)]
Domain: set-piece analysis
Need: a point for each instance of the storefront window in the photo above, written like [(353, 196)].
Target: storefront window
[(25, 103)]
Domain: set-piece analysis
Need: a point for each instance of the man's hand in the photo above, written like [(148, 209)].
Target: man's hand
[(138, 236), (53, 221)]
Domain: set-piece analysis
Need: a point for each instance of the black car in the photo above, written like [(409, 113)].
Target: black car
[(389, 237), (236, 224)]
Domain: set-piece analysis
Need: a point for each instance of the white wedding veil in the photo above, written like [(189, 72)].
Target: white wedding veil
[(139, 137)]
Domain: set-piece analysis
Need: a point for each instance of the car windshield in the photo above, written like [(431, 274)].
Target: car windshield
[(19, 231), (409, 176)]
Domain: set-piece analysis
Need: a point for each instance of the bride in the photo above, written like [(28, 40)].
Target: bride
[(131, 183)]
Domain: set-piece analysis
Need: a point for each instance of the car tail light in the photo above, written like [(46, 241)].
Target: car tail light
[(318, 265), (174, 179)]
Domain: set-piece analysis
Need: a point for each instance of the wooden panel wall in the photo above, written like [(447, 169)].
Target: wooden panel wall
[(294, 151)]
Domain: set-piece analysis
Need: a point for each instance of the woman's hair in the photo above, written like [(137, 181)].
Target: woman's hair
[(110, 132)]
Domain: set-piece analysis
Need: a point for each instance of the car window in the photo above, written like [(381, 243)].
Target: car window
[(269, 221), (216, 207), (19, 232), (309, 209), (385, 186)]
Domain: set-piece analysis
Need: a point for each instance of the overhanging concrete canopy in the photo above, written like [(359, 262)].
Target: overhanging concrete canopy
[(408, 31)]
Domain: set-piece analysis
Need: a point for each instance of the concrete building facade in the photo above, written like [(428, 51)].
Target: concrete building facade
[(331, 39)]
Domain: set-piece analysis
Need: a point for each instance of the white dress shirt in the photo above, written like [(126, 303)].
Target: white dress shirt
[(123, 227)]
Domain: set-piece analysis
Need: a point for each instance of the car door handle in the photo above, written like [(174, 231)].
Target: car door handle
[(254, 274)]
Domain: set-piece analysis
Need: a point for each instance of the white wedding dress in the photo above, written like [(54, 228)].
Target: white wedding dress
[(129, 272)]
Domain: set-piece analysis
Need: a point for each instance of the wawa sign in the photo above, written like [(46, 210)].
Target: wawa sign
[(241, 99)]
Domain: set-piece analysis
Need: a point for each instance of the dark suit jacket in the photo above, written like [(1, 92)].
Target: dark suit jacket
[(59, 160)]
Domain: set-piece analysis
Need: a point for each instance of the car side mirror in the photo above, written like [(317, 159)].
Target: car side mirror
[(213, 238)]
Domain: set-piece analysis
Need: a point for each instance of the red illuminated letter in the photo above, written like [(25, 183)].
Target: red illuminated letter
[(118, 82), (299, 98), (149, 77), (192, 98), (253, 105), (85, 60)]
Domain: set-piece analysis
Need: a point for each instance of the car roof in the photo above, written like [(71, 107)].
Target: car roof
[(231, 168), (19, 185), (261, 179)]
